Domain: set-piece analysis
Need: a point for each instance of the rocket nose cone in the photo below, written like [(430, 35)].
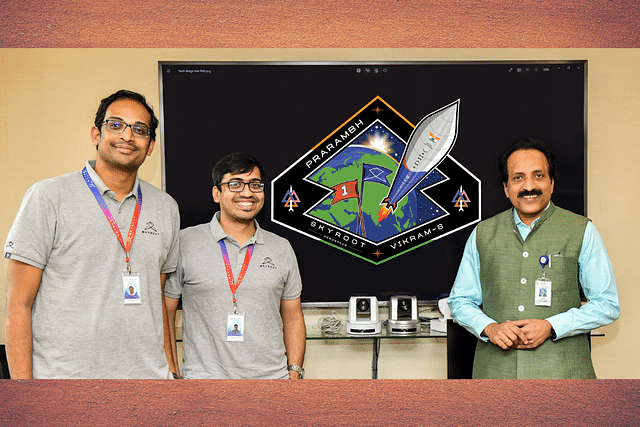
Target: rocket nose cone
[(445, 124), (432, 139), (451, 112)]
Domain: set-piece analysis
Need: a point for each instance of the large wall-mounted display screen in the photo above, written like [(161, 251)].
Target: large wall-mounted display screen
[(375, 172)]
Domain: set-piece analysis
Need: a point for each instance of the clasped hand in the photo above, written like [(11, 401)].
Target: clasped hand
[(519, 334)]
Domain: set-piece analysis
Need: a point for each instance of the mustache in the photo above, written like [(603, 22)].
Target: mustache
[(252, 198), (534, 192)]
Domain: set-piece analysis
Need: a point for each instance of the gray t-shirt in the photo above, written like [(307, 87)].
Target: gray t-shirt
[(201, 279), (81, 326)]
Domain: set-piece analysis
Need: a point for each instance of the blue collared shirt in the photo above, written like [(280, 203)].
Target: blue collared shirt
[(596, 279)]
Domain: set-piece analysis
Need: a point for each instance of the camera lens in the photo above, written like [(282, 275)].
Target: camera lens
[(363, 304), (404, 305), (404, 308)]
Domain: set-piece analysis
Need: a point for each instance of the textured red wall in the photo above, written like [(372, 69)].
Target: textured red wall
[(321, 402), (320, 23)]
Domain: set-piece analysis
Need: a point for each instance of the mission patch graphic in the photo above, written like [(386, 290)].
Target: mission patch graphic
[(378, 187)]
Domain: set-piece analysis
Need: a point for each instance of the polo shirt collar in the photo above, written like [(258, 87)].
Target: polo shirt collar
[(102, 187), (219, 234)]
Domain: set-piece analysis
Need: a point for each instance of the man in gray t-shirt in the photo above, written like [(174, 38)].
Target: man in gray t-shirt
[(240, 287), (88, 256)]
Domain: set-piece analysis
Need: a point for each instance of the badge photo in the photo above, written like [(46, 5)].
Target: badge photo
[(235, 327), (131, 288), (543, 292)]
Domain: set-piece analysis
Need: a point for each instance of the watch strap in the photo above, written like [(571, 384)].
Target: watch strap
[(296, 368)]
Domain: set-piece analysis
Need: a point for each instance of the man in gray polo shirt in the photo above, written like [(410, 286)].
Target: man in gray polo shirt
[(240, 287), (79, 243)]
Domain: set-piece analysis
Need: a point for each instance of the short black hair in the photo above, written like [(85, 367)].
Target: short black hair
[(526, 144), (126, 94), (235, 163)]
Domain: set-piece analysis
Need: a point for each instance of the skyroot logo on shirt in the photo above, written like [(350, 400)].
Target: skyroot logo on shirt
[(8, 247), (378, 186), (150, 228), (268, 263)]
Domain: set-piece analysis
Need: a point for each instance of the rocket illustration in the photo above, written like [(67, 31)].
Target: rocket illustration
[(429, 143)]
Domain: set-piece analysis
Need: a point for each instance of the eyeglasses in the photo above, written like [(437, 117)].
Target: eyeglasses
[(116, 126), (238, 186)]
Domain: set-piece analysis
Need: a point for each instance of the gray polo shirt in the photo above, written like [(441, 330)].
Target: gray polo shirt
[(81, 326), (201, 280)]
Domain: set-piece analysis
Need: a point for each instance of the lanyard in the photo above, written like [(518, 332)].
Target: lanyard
[(112, 221), (227, 266)]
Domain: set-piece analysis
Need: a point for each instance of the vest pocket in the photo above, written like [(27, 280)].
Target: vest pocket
[(563, 274)]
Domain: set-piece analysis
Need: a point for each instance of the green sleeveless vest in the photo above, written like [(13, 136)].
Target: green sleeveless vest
[(509, 268)]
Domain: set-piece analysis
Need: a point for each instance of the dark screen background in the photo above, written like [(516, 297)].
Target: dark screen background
[(278, 111)]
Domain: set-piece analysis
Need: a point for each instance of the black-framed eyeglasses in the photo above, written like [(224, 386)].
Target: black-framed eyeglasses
[(118, 126), (238, 186)]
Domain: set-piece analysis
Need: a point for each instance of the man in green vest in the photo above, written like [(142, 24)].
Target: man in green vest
[(519, 281)]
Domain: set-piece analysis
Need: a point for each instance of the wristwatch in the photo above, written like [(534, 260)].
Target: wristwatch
[(296, 368), (553, 335)]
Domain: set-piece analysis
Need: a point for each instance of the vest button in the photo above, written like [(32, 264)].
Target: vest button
[(523, 281), (525, 254), (521, 308)]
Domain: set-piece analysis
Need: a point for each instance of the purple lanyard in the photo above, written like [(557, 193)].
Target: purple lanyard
[(112, 221), (227, 266)]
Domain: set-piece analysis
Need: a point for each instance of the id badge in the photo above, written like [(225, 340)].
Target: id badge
[(131, 288), (235, 327), (543, 292)]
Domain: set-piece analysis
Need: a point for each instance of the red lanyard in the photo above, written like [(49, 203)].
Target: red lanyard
[(112, 221), (227, 266)]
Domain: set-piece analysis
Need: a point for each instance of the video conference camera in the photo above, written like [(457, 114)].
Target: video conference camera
[(403, 315), (363, 316)]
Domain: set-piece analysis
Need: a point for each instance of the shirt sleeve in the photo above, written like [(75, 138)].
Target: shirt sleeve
[(599, 287), (32, 234), (293, 281), (171, 261), (174, 283), (465, 298)]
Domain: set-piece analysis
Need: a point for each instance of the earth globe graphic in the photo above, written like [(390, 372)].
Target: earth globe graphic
[(348, 166)]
